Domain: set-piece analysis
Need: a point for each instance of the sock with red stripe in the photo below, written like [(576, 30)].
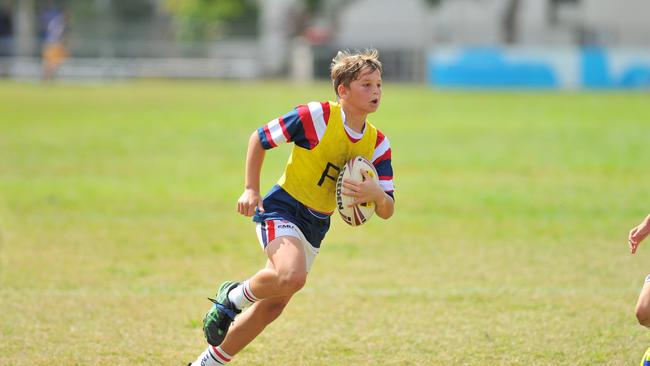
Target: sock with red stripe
[(212, 356), (242, 296)]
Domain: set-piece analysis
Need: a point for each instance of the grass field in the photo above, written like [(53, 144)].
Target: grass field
[(508, 246)]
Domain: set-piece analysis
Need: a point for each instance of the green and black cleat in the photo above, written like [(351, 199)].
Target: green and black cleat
[(218, 319)]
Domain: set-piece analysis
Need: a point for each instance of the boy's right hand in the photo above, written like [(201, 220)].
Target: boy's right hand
[(248, 202), (639, 233)]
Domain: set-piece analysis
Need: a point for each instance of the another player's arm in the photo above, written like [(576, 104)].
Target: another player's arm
[(251, 198), (370, 191), (638, 233)]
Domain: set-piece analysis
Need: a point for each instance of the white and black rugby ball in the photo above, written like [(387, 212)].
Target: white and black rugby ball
[(360, 213)]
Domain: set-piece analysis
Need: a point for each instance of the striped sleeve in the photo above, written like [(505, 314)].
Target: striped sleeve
[(304, 126), (381, 159)]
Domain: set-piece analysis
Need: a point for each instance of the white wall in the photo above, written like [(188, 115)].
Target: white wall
[(411, 23), (383, 24), (468, 21), (623, 22), (275, 26)]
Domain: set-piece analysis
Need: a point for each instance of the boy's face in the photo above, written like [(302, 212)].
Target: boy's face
[(364, 93)]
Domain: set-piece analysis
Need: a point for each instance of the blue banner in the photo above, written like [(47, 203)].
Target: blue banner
[(535, 68)]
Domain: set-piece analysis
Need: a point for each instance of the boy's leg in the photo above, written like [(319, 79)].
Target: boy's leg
[(285, 272), (248, 326), (643, 304), (284, 275), (252, 322)]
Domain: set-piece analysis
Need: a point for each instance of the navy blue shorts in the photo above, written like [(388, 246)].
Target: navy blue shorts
[(279, 205)]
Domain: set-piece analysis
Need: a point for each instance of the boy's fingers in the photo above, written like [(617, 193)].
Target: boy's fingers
[(632, 232), (355, 194), (349, 184), (356, 202), (260, 207)]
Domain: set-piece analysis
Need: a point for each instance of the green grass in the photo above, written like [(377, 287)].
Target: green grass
[(508, 246)]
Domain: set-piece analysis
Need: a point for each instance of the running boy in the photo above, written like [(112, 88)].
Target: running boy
[(294, 216)]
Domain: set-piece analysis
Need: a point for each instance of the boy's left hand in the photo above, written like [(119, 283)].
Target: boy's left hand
[(362, 192)]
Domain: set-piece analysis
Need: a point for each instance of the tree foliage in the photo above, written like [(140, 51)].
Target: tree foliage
[(203, 18)]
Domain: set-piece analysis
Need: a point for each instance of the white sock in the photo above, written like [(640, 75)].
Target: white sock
[(212, 356), (242, 296)]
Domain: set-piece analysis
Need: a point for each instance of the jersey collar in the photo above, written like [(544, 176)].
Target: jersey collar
[(353, 135)]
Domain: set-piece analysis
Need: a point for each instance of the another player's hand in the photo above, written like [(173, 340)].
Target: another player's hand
[(639, 233), (362, 192), (248, 202)]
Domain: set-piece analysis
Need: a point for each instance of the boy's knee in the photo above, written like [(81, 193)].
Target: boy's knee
[(291, 282), (643, 315)]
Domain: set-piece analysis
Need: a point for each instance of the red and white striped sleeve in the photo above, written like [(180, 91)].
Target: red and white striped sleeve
[(304, 126), (275, 132), (314, 117), (381, 159)]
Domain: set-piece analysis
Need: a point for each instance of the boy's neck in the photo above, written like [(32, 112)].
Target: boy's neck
[(353, 119)]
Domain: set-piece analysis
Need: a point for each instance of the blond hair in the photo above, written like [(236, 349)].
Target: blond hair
[(346, 66)]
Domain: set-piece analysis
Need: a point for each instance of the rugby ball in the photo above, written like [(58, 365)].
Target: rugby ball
[(360, 213)]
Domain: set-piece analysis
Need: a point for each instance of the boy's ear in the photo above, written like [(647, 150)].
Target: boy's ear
[(342, 90)]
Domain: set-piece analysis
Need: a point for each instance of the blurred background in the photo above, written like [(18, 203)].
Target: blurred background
[(567, 44), (119, 180)]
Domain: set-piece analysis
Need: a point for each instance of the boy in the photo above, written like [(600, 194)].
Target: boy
[(636, 236), (294, 216)]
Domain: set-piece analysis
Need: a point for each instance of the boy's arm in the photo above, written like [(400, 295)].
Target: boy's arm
[(385, 206), (639, 233), (288, 128), (251, 198), (370, 191)]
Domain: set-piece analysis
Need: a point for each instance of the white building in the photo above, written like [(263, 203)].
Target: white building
[(412, 23)]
